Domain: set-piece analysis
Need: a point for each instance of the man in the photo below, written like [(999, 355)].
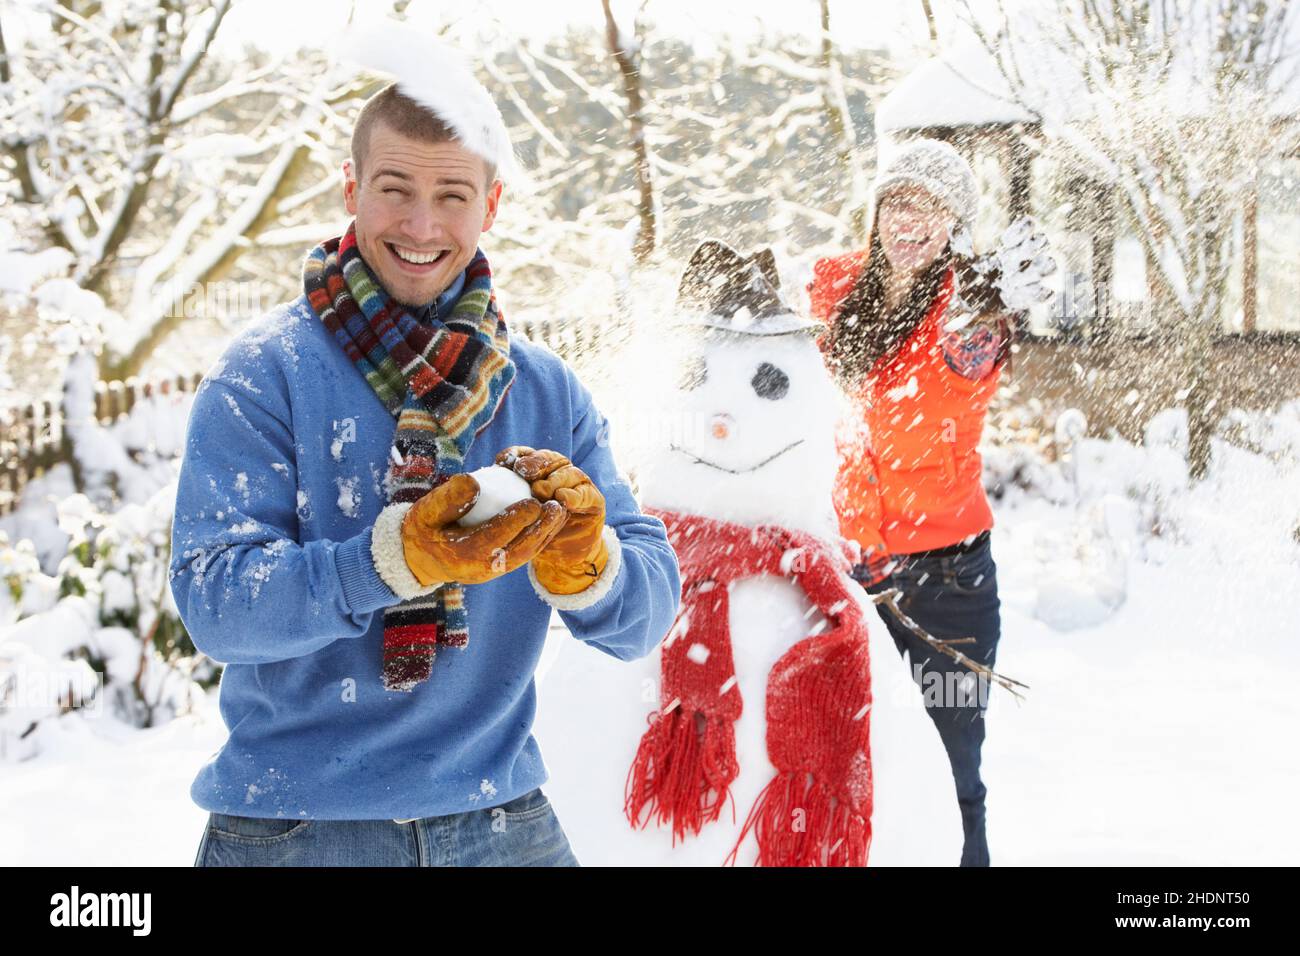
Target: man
[(379, 657)]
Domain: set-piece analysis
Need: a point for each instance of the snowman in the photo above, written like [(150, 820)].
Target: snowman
[(747, 736)]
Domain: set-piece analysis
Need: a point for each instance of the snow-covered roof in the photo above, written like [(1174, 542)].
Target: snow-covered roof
[(962, 87)]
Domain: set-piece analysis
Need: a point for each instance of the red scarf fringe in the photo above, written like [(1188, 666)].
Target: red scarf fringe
[(817, 810)]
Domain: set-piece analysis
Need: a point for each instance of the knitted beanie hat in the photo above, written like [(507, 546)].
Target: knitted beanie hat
[(938, 169)]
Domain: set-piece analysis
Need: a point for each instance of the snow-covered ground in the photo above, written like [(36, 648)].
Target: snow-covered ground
[(1159, 734), (1157, 728)]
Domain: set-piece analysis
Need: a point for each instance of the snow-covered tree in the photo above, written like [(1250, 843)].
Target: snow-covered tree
[(625, 48), (1173, 106), (735, 135), (153, 163)]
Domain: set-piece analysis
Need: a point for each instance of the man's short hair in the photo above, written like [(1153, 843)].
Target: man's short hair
[(406, 117)]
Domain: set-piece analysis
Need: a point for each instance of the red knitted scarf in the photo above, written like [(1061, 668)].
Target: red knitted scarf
[(817, 810)]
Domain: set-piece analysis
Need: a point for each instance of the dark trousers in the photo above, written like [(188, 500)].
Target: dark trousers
[(952, 596)]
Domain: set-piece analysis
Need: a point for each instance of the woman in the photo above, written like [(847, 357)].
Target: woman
[(910, 490)]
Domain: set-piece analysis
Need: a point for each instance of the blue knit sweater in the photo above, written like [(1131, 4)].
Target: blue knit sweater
[(284, 555)]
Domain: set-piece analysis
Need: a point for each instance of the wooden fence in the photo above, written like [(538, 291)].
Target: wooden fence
[(33, 439), (572, 339)]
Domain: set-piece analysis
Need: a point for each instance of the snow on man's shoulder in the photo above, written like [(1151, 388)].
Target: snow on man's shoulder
[(264, 354)]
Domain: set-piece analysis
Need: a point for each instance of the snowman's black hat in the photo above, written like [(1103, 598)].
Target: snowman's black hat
[(721, 289)]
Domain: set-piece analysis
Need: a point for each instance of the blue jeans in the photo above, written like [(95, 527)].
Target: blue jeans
[(520, 832), (952, 597)]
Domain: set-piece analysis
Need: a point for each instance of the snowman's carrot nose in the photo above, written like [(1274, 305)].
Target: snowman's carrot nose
[(720, 426)]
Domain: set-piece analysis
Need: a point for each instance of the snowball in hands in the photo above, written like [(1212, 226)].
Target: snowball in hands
[(499, 487)]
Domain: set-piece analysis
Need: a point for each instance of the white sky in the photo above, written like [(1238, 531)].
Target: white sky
[(282, 25)]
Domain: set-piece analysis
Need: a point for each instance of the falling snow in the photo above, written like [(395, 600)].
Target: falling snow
[(1125, 581)]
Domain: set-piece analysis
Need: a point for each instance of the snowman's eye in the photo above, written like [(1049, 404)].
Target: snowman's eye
[(770, 382), (692, 373)]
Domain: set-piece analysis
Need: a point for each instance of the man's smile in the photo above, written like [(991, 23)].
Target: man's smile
[(413, 260)]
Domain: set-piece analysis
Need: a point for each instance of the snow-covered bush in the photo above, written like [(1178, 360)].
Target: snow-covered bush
[(108, 607), (18, 566), (1023, 457), (85, 580), (1079, 514), (134, 457)]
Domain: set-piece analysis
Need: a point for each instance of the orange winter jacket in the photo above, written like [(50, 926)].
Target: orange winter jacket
[(910, 470)]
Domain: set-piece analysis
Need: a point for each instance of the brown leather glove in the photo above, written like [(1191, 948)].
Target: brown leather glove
[(438, 550), (572, 560)]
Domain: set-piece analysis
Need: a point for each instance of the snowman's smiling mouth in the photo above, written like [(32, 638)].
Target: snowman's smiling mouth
[(735, 471)]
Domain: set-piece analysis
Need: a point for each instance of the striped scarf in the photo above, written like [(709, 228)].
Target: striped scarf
[(444, 382)]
